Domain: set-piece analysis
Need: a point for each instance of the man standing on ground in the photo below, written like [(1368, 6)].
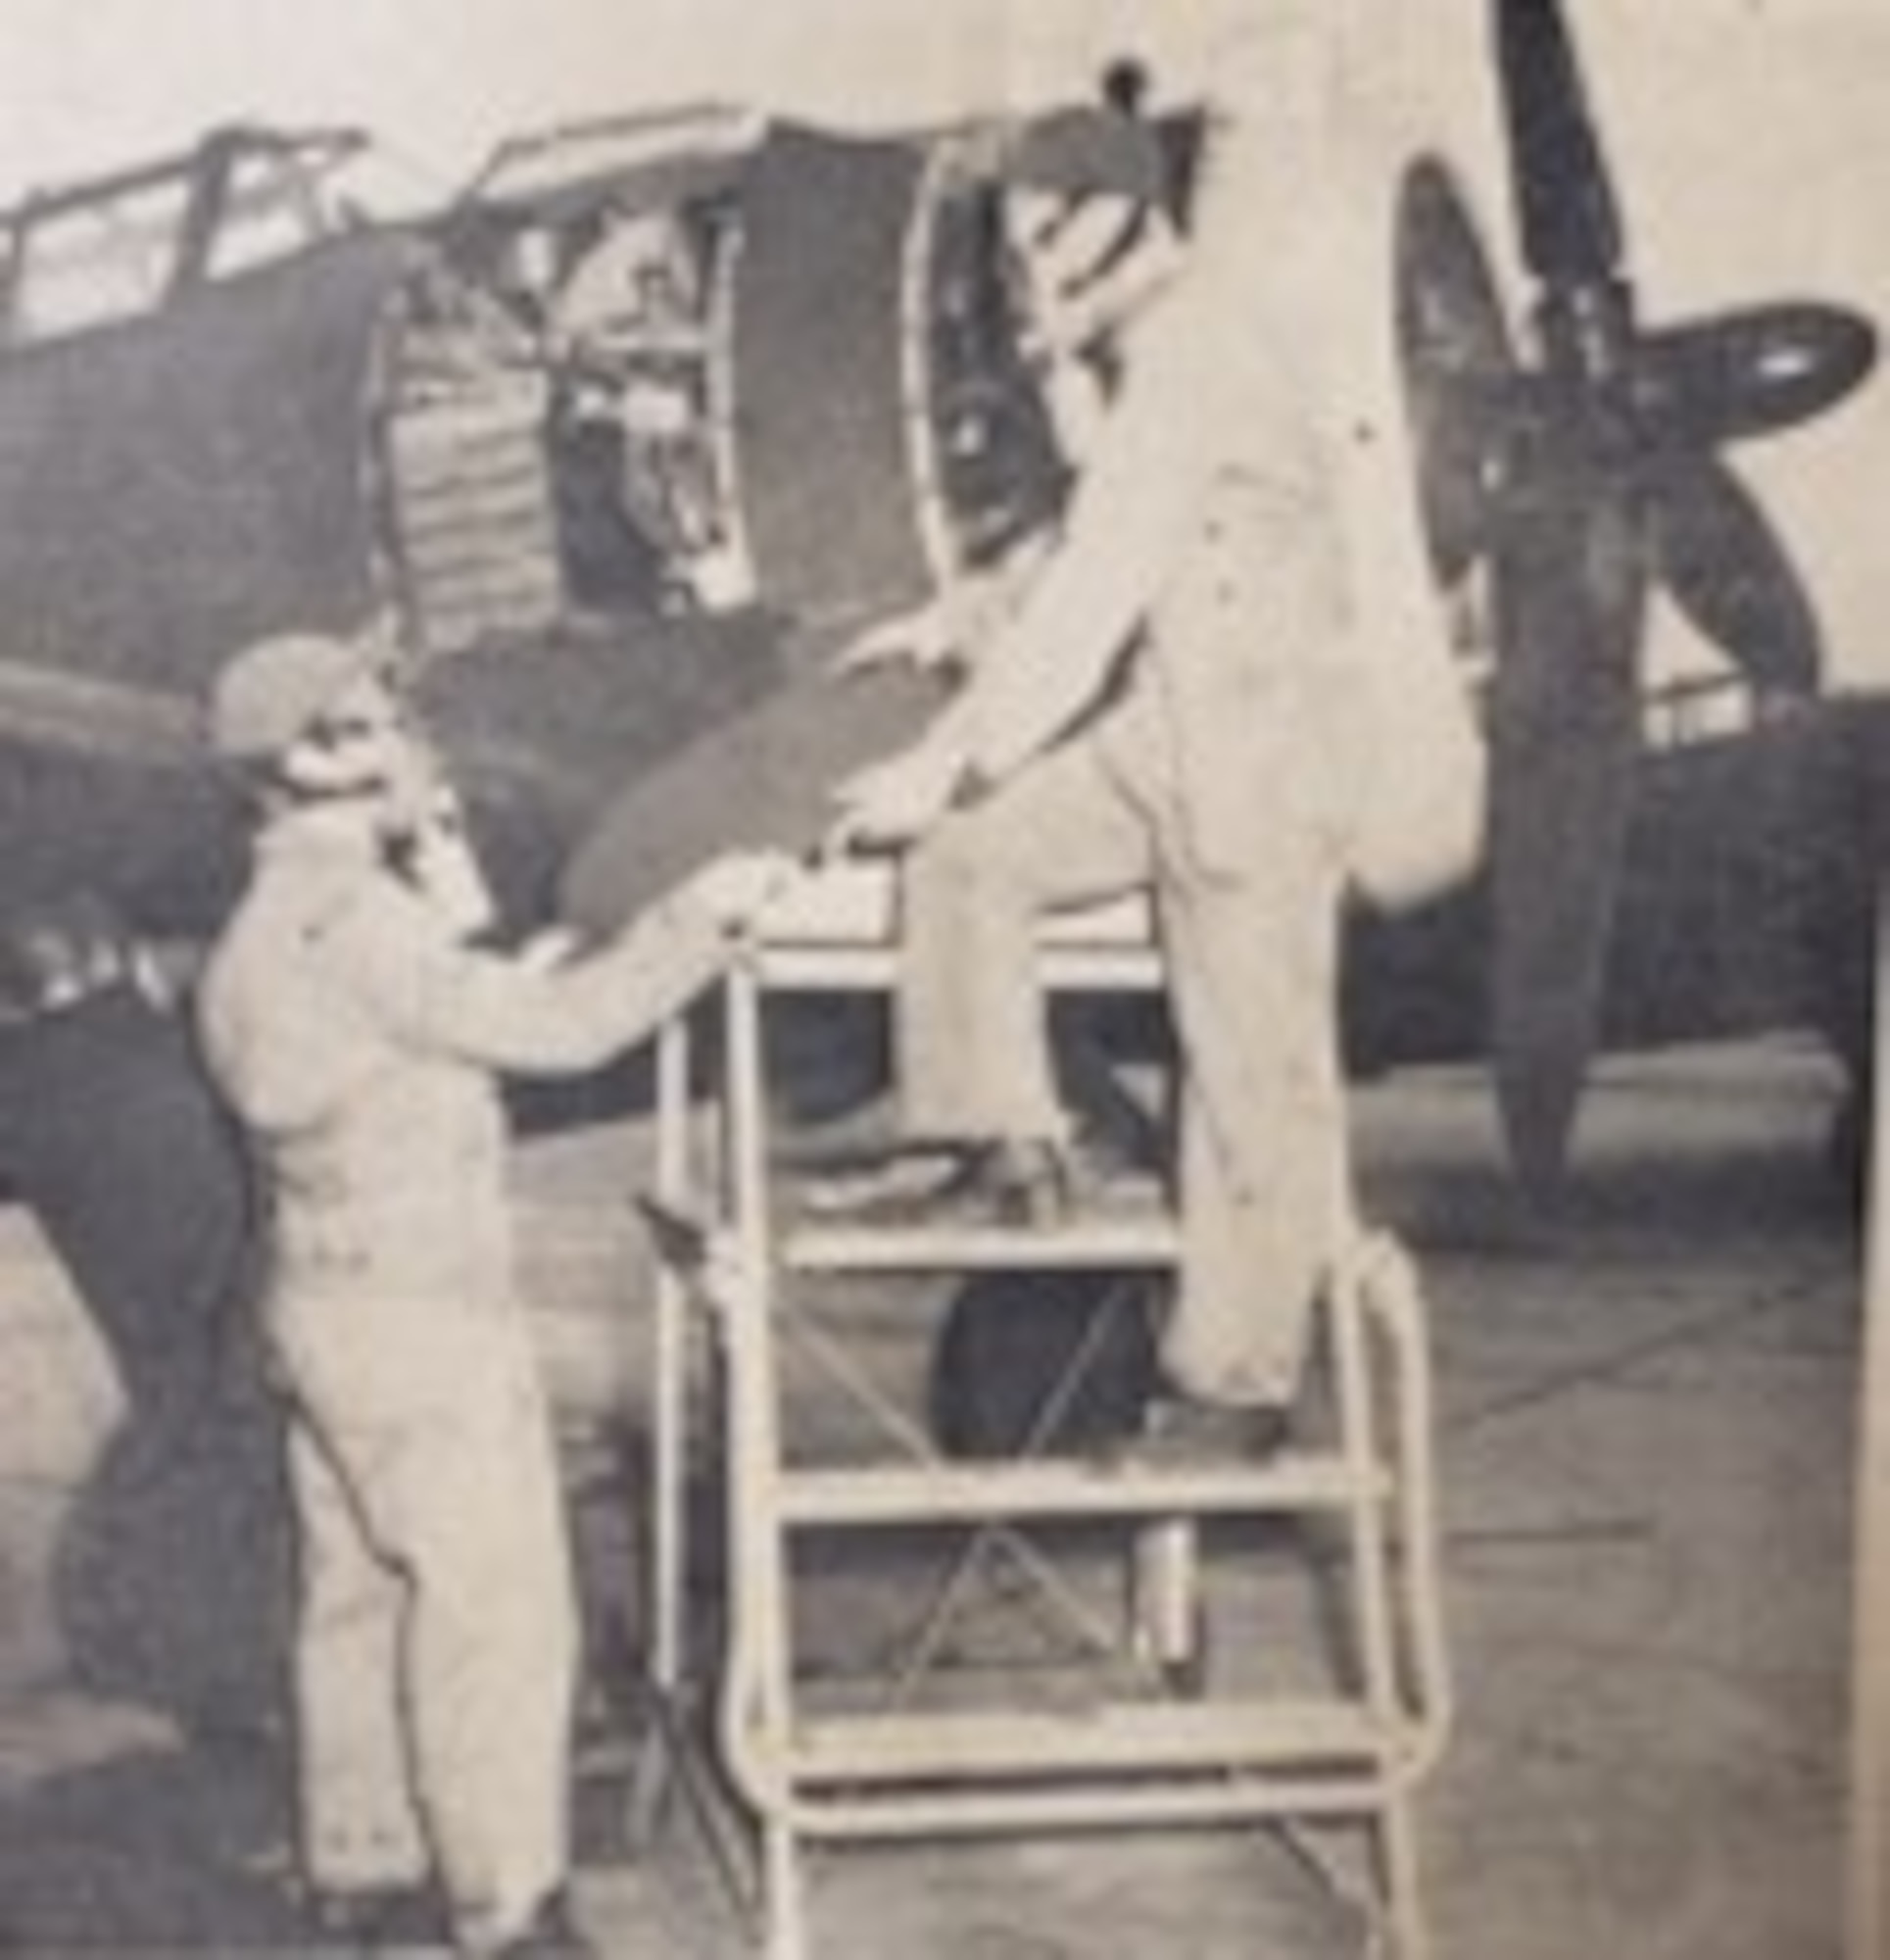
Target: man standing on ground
[(359, 1036)]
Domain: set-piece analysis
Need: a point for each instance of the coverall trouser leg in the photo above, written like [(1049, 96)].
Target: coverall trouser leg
[(437, 1647), (359, 1812), (1252, 952), (972, 1050), (1266, 1187)]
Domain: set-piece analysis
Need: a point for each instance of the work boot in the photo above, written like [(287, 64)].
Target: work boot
[(1012, 1182), (1181, 1432)]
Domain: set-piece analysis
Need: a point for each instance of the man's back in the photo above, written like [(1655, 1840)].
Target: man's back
[(315, 1008)]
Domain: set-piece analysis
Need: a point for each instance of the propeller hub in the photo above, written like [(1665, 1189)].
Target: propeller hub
[(1587, 333)]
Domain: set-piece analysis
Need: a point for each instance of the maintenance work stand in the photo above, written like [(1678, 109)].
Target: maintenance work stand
[(1045, 1641)]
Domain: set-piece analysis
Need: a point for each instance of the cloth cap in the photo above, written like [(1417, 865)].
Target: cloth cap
[(273, 693), (1087, 151)]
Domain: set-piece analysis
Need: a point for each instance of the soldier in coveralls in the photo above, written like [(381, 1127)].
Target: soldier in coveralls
[(1176, 705), (358, 1034)]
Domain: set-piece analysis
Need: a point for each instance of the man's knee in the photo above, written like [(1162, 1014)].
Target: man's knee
[(958, 847), (978, 863)]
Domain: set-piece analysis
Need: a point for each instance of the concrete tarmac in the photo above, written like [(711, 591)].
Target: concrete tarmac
[(1645, 1434)]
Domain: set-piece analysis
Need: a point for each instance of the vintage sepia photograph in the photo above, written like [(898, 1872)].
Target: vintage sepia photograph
[(939, 969)]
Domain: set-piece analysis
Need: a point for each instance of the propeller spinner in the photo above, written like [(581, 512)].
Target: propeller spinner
[(1581, 478)]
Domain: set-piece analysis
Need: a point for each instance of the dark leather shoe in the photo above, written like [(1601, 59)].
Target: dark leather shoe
[(1018, 1183), (1023, 1182), (871, 1186), (1180, 1431)]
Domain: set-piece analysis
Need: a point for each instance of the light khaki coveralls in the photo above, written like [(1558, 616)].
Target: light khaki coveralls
[(1210, 780), (1243, 549), (435, 1650)]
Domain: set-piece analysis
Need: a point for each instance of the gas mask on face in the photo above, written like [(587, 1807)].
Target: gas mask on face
[(426, 844), (355, 751), (364, 753)]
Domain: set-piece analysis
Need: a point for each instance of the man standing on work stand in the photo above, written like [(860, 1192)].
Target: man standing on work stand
[(1182, 702)]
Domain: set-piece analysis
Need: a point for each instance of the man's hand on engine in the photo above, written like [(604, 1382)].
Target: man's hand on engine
[(925, 639), (895, 802)]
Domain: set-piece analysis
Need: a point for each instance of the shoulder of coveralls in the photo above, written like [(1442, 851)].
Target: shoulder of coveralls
[(312, 897), (283, 1007), (375, 937), (334, 923)]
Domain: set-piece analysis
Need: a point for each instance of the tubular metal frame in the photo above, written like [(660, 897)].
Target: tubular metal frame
[(1346, 1757)]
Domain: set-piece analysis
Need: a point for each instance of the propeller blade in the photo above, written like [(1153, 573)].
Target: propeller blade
[(1723, 562), (1459, 371), (1749, 373), (1571, 224), (1569, 595)]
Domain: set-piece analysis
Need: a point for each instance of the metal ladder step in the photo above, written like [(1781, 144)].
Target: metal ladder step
[(1132, 1240), (933, 1493), (1316, 1734)]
